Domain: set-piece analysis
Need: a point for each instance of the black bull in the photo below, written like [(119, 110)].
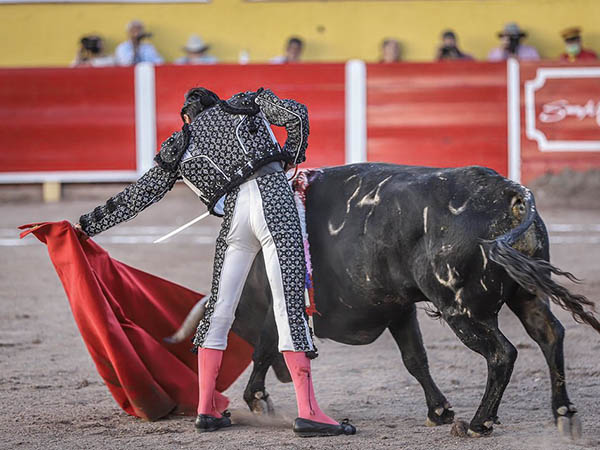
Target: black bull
[(384, 237)]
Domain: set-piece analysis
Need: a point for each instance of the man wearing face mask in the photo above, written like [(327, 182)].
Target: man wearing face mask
[(573, 48), (511, 47)]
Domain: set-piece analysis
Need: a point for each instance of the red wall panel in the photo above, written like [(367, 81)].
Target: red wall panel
[(319, 86), (67, 119), (566, 108), (445, 115)]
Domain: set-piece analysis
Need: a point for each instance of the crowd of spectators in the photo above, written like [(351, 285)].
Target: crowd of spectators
[(138, 48)]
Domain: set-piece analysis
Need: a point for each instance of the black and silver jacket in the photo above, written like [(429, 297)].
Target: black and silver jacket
[(218, 151)]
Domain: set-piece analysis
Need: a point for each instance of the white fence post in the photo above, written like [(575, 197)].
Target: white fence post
[(356, 111), (513, 86), (145, 116)]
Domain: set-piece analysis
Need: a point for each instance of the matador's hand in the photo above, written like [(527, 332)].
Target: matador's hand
[(82, 235)]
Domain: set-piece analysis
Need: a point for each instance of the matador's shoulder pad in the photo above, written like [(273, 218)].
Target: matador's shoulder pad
[(173, 149), (241, 103)]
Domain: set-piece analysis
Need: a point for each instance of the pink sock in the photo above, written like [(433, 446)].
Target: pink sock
[(209, 363), (308, 408)]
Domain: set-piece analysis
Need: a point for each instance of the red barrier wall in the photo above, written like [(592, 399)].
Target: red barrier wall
[(563, 127), (319, 86), (437, 114), (448, 115), (67, 119)]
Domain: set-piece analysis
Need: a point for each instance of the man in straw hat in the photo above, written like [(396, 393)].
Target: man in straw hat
[(511, 46), (196, 52), (573, 49)]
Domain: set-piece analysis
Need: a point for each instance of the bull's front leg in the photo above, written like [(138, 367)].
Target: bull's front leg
[(405, 330), (545, 329), (265, 354), (484, 337)]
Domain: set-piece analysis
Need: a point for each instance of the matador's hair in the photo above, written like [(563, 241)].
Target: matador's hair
[(197, 100)]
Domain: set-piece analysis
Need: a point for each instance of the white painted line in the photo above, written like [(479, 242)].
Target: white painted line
[(560, 233), (112, 240), (574, 240), (572, 227), (148, 240), (145, 116), (356, 111), (132, 231), (514, 119), (78, 176)]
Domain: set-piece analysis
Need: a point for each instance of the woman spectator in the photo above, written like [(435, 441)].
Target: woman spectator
[(390, 51)]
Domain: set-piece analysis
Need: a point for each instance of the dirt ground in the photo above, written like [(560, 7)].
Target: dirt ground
[(53, 398)]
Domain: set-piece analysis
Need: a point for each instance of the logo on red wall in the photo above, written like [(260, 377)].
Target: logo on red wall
[(562, 109)]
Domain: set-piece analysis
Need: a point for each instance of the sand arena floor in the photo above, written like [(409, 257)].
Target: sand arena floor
[(52, 397)]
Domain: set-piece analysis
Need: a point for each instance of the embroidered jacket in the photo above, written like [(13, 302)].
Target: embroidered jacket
[(218, 151)]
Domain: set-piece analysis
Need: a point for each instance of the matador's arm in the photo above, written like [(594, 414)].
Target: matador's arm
[(136, 197), (291, 115)]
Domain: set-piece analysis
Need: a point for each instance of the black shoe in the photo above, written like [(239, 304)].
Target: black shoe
[(310, 428), (205, 422)]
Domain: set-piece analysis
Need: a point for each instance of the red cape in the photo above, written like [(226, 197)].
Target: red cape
[(123, 315)]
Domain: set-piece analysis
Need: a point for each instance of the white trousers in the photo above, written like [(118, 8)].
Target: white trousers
[(249, 233)]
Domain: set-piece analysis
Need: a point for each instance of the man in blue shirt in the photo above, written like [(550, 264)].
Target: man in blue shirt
[(135, 50)]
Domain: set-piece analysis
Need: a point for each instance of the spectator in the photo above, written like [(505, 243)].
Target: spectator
[(390, 51), (449, 49), (573, 49), (134, 50), (196, 52), (293, 51), (91, 53), (511, 47)]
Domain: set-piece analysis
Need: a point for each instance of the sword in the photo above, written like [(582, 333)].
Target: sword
[(182, 227)]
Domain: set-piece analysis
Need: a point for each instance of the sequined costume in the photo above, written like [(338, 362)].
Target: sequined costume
[(229, 156)]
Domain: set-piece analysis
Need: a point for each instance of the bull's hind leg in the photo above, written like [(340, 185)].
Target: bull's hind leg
[(485, 338), (545, 329), (407, 334)]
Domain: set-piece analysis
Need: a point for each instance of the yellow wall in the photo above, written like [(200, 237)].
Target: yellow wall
[(47, 34)]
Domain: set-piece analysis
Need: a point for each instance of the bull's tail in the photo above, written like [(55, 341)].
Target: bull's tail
[(535, 275), (190, 323)]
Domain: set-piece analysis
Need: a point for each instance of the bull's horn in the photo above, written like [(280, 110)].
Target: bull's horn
[(190, 323)]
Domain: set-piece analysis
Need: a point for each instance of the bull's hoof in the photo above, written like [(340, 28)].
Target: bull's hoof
[(441, 415), (462, 429), (568, 423), (261, 404)]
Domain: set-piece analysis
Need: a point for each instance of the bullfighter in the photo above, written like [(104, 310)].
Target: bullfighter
[(227, 154)]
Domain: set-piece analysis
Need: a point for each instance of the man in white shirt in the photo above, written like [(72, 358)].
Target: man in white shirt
[(135, 50)]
